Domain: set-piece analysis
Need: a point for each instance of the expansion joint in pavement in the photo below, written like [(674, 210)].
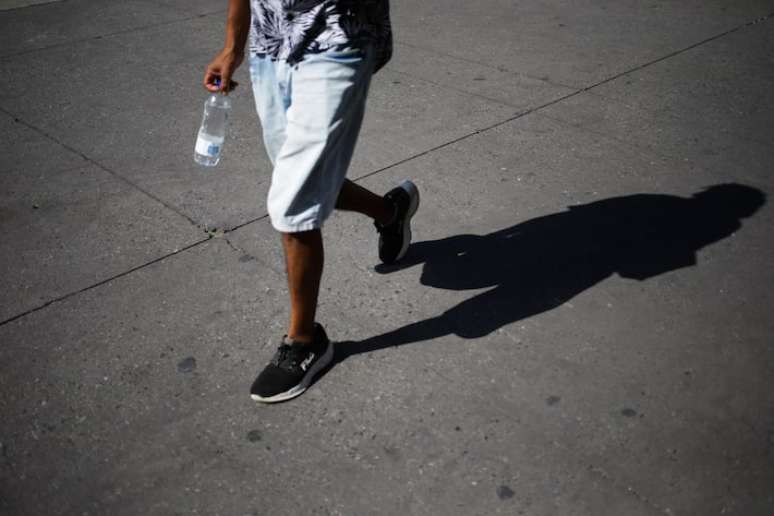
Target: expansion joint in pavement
[(567, 96), (102, 167), (675, 53), (104, 281), (211, 234), (110, 34)]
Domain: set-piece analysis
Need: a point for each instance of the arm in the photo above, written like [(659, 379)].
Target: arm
[(229, 59)]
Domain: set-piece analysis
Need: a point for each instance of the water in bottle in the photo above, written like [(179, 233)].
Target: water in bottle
[(212, 132)]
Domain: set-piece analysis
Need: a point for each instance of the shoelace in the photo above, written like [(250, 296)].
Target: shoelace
[(287, 357)]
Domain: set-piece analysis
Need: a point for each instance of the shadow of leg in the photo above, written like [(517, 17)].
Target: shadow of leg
[(415, 332)]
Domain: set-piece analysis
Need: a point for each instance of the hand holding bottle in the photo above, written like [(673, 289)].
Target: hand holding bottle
[(212, 132), (217, 76)]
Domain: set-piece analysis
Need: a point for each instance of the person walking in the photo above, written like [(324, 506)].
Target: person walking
[(311, 63)]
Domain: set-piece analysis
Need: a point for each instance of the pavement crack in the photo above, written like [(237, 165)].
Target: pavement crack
[(234, 247), (102, 167), (245, 253), (629, 489)]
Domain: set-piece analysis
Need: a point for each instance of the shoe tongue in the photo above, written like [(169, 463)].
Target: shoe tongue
[(290, 353), (287, 340), (295, 345)]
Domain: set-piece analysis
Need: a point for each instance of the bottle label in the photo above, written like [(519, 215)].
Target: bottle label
[(207, 147)]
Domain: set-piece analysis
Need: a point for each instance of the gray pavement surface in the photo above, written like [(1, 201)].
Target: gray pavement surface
[(576, 331)]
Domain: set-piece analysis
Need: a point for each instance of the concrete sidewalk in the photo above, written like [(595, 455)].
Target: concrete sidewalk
[(577, 331)]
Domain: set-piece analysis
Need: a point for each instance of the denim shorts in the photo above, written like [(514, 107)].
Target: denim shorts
[(311, 114)]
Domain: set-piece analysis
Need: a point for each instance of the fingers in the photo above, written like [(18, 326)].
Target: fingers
[(215, 83), (217, 76), (212, 80), (225, 81)]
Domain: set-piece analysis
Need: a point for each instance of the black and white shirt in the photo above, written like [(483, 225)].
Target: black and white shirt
[(291, 29)]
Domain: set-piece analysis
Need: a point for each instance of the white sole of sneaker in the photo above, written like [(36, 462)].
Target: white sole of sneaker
[(413, 193), (299, 389)]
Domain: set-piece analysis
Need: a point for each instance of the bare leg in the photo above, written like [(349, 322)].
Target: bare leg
[(304, 259), (353, 197)]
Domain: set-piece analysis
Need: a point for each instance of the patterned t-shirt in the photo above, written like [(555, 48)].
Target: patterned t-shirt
[(291, 29)]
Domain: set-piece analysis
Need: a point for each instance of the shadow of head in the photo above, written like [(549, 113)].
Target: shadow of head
[(638, 236), (730, 199), (543, 262)]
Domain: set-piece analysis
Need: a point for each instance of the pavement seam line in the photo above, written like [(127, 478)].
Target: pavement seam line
[(102, 167), (34, 5), (104, 281), (109, 34), (530, 110), (399, 162), (569, 95), (246, 223)]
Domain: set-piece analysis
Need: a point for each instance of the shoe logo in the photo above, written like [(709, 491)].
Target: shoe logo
[(307, 361)]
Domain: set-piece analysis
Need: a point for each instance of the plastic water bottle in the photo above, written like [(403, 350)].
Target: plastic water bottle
[(212, 133)]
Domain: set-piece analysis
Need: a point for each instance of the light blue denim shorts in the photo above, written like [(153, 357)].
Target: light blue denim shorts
[(311, 114)]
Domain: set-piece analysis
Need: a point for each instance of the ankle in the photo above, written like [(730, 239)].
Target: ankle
[(302, 335), (301, 338)]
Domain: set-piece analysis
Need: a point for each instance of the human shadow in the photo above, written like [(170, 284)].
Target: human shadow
[(540, 264)]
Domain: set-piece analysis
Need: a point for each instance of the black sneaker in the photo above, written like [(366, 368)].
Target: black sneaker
[(395, 237), (293, 368)]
